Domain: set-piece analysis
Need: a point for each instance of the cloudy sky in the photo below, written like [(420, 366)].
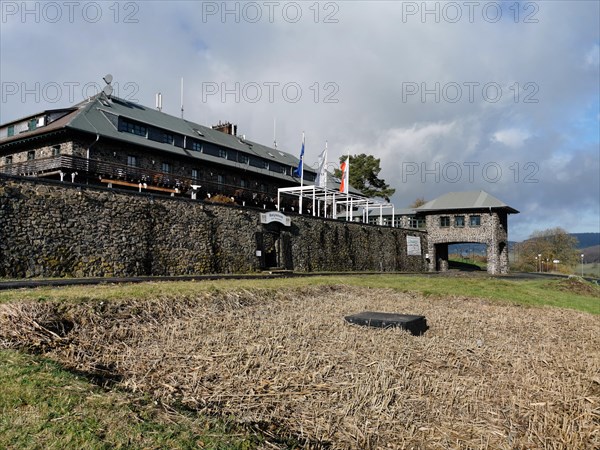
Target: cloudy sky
[(452, 96)]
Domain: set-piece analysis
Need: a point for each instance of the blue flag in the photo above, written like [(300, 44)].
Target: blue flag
[(299, 170)]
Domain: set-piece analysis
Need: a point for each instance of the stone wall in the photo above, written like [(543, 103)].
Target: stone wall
[(49, 229)]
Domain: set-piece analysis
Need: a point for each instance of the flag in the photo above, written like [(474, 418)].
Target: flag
[(299, 172), (345, 168), (321, 180)]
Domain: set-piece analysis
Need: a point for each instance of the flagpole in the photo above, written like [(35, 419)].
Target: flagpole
[(325, 180), (302, 172), (347, 181)]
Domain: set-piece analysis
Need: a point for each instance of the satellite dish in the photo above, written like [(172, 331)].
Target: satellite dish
[(108, 90), (108, 78)]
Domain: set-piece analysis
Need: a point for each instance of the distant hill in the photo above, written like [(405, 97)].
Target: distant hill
[(472, 248), (591, 254), (587, 239), (588, 243)]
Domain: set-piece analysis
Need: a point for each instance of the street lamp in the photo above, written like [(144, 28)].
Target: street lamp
[(537, 264), (540, 259), (582, 255)]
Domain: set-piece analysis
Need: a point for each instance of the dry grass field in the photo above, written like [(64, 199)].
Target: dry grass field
[(283, 361)]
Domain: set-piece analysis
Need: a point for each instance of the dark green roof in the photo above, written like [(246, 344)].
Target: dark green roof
[(94, 117)]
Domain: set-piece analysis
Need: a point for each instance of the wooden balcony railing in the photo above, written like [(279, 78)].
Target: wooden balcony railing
[(97, 171)]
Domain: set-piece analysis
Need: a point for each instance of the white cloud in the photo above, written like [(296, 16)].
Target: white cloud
[(548, 71), (511, 137), (592, 58)]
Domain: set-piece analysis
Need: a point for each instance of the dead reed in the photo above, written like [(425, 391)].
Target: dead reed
[(484, 375)]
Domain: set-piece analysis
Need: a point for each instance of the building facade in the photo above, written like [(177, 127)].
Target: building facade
[(116, 143), (113, 143), (467, 217)]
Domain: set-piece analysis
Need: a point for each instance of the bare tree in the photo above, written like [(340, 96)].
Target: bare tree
[(419, 201), (543, 247)]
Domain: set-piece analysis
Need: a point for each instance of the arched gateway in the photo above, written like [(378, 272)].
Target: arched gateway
[(461, 217)]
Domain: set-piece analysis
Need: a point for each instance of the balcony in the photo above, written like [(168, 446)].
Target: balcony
[(77, 169), (104, 172)]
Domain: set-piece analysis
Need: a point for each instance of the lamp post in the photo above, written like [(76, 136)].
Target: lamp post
[(582, 255), (537, 264), (540, 260)]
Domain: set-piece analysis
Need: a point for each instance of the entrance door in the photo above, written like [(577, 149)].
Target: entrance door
[(271, 249), (268, 242)]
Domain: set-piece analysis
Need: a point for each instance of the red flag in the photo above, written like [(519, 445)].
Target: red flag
[(345, 168)]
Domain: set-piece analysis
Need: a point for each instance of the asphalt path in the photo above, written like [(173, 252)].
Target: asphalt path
[(57, 282)]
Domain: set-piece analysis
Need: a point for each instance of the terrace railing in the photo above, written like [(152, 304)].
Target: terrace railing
[(121, 174)]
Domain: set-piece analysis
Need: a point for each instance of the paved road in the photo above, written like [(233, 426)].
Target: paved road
[(56, 282)]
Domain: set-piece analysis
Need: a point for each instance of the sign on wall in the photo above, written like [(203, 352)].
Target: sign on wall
[(413, 246), (275, 216)]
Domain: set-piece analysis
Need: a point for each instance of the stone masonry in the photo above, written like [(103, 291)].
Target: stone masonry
[(444, 229), (50, 229)]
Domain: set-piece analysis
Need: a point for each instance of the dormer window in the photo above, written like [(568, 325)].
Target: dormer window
[(133, 128)]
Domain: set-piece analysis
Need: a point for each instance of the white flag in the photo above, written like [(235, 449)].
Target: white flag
[(321, 180)]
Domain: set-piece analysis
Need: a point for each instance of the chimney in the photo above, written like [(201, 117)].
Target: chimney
[(227, 128)]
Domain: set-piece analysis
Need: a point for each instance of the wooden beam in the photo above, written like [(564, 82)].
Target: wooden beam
[(137, 185)]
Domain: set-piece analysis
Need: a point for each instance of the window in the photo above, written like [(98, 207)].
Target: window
[(242, 158), (211, 150), (196, 146), (166, 167), (132, 161), (55, 150), (32, 125), (8, 160), (10, 131), (416, 222), (444, 221), (30, 155), (167, 138), (243, 183), (257, 162), (276, 167), (475, 221), (459, 221), (134, 128), (220, 179), (310, 176), (222, 153), (195, 174)]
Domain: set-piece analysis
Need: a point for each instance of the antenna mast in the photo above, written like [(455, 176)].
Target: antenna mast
[(182, 97), (274, 132)]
